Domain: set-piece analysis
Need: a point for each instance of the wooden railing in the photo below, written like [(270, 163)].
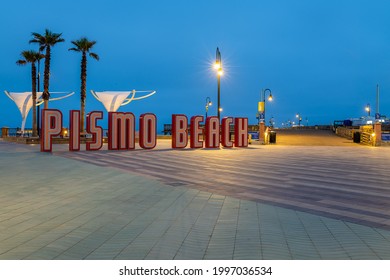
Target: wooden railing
[(346, 132)]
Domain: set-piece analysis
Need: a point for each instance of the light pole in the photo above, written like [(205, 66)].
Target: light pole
[(368, 109), (299, 117), (261, 108), (377, 114), (261, 112), (208, 103), (38, 89), (218, 67)]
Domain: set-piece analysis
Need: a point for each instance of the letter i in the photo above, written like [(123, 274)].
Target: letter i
[(74, 134)]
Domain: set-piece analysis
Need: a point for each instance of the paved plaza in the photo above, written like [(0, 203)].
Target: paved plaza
[(261, 202)]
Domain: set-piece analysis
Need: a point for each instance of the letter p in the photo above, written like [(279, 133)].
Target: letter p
[(51, 126)]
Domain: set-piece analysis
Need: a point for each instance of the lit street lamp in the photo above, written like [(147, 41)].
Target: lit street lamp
[(368, 109), (261, 109), (218, 67), (261, 113), (299, 117), (208, 103)]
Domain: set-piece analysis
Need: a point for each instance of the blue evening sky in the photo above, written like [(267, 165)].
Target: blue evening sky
[(322, 59)]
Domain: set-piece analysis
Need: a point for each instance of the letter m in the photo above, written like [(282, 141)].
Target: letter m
[(121, 131)]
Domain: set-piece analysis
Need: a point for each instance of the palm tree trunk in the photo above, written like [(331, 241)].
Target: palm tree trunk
[(46, 77), (83, 90), (34, 99)]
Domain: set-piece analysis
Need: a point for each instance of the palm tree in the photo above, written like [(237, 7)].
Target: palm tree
[(84, 46), (32, 57), (46, 42)]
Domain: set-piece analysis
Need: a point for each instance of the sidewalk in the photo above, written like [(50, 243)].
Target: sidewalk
[(194, 204)]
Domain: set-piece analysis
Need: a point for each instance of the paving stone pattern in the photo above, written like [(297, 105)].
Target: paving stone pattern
[(263, 202)]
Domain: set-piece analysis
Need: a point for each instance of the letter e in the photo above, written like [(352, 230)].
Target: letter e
[(196, 131)]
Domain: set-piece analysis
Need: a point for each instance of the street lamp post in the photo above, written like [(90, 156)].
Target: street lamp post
[(208, 103), (218, 67), (261, 112), (261, 108), (38, 89), (299, 117), (368, 109)]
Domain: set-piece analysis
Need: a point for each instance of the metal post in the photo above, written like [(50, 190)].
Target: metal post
[(263, 96), (38, 89), (218, 61), (377, 100), (208, 103), (219, 97), (263, 99)]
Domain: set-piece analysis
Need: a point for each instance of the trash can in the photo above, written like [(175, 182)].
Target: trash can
[(356, 137), (272, 137), (4, 132)]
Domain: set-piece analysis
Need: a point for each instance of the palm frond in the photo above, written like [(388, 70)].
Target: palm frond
[(30, 56), (21, 62), (85, 46), (74, 49), (47, 39), (94, 55)]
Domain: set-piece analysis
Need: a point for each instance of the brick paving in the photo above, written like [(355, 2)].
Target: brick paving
[(263, 202)]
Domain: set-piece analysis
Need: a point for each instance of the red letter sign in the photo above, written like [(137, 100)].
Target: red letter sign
[(51, 126), (212, 132), (225, 139), (196, 131), (74, 133), (179, 131), (147, 131), (95, 130), (121, 131), (241, 132)]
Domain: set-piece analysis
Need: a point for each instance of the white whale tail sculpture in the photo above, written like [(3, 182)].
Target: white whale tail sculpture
[(112, 100), (23, 101)]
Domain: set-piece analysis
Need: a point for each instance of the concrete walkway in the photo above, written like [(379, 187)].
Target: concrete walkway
[(263, 202), (310, 137)]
